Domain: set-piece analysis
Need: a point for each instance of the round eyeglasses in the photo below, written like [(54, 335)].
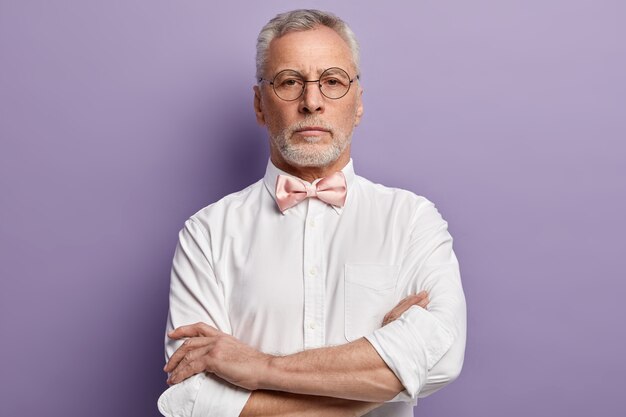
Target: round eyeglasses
[(289, 85)]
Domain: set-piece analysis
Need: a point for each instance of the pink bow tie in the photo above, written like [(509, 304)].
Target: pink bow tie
[(290, 191)]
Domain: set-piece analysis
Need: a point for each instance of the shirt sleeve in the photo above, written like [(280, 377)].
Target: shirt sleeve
[(425, 347), (197, 296)]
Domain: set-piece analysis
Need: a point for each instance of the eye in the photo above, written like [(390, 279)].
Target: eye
[(333, 82), (290, 82)]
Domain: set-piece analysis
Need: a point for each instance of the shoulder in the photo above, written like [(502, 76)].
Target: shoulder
[(246, 199), (397, 197), (407, 206)]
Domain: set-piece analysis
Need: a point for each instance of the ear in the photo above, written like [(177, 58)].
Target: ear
[(258, 107), (359, 108)]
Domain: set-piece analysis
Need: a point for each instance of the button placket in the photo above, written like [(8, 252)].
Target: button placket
[(314, 280)]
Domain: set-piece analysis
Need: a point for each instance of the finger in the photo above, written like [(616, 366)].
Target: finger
[(419, 296), (424, 302), (191, 364), (403, 304), (412, 299), (420, 299), (409, 301), (388, 319), (186, 347), (395, 313), (192, 330), (184, 367)]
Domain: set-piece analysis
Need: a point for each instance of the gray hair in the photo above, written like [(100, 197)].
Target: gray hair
[(301, 20)]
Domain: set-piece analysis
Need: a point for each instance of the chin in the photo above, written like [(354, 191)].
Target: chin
[(309, 158)]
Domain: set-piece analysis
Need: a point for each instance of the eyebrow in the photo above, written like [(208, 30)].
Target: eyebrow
[(333, 71), (319, 73)]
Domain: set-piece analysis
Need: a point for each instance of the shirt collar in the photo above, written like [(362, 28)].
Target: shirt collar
[(271, 174)]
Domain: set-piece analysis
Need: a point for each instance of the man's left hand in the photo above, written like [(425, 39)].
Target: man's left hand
[(210, 350)]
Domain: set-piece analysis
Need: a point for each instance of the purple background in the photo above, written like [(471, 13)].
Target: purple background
[(120, 119)]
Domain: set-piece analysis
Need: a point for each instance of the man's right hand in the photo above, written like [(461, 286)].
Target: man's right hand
[(419, 299)]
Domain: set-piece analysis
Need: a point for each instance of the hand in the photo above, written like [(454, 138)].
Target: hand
[(420, 299), (210, 350)]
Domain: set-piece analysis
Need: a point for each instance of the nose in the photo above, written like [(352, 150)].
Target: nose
[(312, 100)]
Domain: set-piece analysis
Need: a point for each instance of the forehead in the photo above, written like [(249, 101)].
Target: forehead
[(309, 52)]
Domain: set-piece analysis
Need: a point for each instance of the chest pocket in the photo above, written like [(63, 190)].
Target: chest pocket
[(369, 295)]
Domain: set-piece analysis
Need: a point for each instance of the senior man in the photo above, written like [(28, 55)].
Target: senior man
[(312, 292)]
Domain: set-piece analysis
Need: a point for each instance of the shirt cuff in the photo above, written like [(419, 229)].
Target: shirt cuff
[(410, 346), (203, 395)]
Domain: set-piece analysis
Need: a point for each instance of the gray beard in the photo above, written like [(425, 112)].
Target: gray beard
[(308, 154)]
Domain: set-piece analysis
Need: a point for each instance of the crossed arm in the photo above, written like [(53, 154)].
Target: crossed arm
[(275, 404), (345, 380), (329, 381)]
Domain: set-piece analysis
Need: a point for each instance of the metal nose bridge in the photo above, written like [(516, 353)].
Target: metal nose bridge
[(312, 81)]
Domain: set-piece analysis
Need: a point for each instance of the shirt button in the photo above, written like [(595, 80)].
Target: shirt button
[(312, 325), (313, 271), (312, 224)]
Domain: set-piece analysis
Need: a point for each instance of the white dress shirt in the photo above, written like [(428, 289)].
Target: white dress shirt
[(314, 276)]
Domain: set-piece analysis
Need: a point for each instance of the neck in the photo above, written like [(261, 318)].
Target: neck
[(310, 174)]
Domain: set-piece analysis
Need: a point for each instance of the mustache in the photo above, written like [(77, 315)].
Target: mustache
[(312, 121)]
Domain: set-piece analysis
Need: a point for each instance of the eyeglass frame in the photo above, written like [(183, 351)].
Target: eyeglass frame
[(318, 81)]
